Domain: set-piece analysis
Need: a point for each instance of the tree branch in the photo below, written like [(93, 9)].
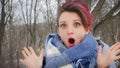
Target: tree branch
[(107, 16)]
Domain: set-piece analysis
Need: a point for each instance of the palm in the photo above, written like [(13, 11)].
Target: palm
[(104, 59), (31, 59)]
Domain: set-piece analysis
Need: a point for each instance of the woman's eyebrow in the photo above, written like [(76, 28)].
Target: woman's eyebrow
[(77, 20), (61, 21)]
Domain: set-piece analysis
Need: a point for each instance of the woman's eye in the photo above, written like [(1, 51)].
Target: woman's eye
[(77, 24), (63, 25)]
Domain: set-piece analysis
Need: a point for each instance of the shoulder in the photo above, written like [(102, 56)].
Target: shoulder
[(49, 36), (104, 45)]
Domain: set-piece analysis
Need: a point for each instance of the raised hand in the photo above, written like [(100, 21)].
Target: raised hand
[(31, 60), (104, 59)]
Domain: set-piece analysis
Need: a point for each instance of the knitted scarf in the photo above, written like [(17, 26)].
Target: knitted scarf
[(82, 55)]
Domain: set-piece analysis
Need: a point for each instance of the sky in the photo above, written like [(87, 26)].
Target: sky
[(41, 6)]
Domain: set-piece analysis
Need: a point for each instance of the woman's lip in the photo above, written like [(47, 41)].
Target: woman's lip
[(71, 45), (71, 42)]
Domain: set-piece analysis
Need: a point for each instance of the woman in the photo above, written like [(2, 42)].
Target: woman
[(73, 46)]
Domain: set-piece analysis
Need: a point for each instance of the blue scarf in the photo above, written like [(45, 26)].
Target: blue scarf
[(82, 55)]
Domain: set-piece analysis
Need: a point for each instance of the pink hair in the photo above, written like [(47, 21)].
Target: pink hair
[(81, 9)]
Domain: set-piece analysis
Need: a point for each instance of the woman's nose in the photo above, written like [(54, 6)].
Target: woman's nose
[(70, 31)]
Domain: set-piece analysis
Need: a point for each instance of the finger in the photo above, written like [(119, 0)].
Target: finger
[(116, 58), (22, 61), (113, 46), (99, 49), (117, 46), (24, 54), (26, 51), (41, 54), (117, 52), (31, 50)]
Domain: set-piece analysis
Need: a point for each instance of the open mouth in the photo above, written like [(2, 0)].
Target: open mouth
[(71, 40)]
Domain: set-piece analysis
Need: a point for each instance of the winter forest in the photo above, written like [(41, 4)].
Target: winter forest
[(26, 23)]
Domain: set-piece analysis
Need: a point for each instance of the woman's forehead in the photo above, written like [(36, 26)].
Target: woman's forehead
[(69, 16)]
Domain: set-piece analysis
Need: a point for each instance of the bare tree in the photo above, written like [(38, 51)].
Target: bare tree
[(4, 18), (27, 17), (107, 16)]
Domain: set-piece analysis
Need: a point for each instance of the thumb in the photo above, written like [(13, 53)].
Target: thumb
[(99, 49), (41, 54)]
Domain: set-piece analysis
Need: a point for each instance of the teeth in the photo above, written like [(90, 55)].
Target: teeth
[(71, 40)]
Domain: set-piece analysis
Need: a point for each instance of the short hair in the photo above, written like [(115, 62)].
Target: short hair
[(80, 8)]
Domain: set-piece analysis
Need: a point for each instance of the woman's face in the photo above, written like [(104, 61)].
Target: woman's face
[(71, 29)]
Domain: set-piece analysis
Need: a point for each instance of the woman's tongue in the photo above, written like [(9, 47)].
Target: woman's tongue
[(71, 42)]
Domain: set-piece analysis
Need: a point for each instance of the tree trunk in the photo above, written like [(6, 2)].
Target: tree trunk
[(2, 28), (107, 16)]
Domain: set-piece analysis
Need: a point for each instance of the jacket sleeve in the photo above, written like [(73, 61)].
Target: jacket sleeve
[(113, 65)]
